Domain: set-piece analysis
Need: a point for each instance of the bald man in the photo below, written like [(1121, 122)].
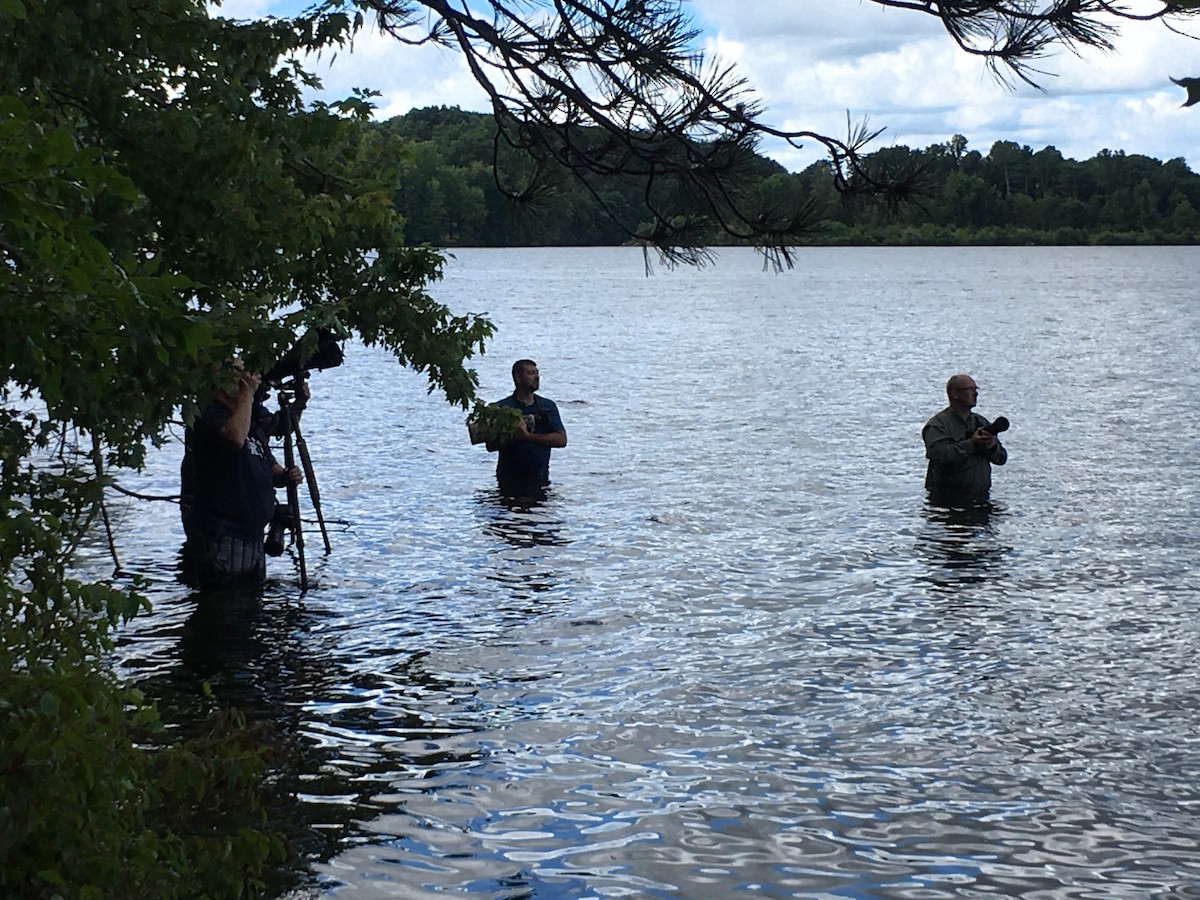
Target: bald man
[(960, 449)]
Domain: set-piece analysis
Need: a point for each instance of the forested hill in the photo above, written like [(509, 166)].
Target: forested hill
[(1010, 195)]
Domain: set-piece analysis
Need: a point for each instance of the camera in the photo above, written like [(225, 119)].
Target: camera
[(281, 521), (1001, 424), (295, 363)]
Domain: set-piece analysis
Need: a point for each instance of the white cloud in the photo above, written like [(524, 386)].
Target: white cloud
[(817, 28), (814, 61), (406, 77), (245, 9)]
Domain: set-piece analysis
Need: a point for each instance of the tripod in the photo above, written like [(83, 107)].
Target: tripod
[(293, 442)]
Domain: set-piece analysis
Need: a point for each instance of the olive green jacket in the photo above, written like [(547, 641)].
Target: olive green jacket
[(956, 466)]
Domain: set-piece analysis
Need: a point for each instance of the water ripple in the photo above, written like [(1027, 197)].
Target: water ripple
[(732, 651)]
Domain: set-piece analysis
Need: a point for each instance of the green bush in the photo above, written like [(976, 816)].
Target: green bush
[(95, 801), (97, 805)]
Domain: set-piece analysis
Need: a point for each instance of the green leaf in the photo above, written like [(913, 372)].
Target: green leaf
[(49, 704), (60, 147), (491, 423)]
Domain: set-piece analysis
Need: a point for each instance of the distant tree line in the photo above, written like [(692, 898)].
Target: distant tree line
[(447, 188)]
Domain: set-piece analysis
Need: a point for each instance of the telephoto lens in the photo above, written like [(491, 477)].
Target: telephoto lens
[(1001, 424)]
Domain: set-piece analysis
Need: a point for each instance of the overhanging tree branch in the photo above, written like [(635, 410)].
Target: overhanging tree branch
[(619, 89)]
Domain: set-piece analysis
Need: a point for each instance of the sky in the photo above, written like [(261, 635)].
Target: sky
[(813, 63)]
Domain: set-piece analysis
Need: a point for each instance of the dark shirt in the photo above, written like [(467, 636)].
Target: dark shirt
[(225, 489), (522, 462), (957, 468)]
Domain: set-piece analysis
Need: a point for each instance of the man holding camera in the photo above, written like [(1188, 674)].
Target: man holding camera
[(524, 461), (228, 480), (961, 447)]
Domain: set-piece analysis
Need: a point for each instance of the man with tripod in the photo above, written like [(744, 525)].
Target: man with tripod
[(228, 480)]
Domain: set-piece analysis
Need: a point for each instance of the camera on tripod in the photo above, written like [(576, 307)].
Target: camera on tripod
[(298, 361), (282, 521), (318, 349)]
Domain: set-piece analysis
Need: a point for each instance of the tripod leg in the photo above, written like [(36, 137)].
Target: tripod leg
[(310, 476), (293, 495)]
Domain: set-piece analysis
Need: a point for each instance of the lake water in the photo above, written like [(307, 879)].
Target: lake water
[(733, 652)]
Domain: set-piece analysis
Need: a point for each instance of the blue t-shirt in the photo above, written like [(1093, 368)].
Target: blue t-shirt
[(521, 461)]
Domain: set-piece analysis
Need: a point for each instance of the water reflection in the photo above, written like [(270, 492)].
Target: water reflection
[(253, 650), (221, 638), (343, 741), (528, 526), (960, 544), (526, 519)]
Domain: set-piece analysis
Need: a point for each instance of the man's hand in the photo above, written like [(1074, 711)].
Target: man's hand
[(241, 405), (248, 383), (302, 395), (525, 430), (983, 439), (545, 439), (282, 477)]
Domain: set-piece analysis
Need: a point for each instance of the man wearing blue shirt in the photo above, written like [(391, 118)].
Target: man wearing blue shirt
[(524, 461)]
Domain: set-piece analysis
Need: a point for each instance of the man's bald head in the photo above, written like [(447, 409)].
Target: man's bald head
[(962, 391)]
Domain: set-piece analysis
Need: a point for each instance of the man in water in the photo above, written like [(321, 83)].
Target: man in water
[(524, 461), (960, 448), (228, 488)]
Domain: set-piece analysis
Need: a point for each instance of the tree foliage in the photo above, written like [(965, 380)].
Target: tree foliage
[(166, 201), (1012, 193)]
